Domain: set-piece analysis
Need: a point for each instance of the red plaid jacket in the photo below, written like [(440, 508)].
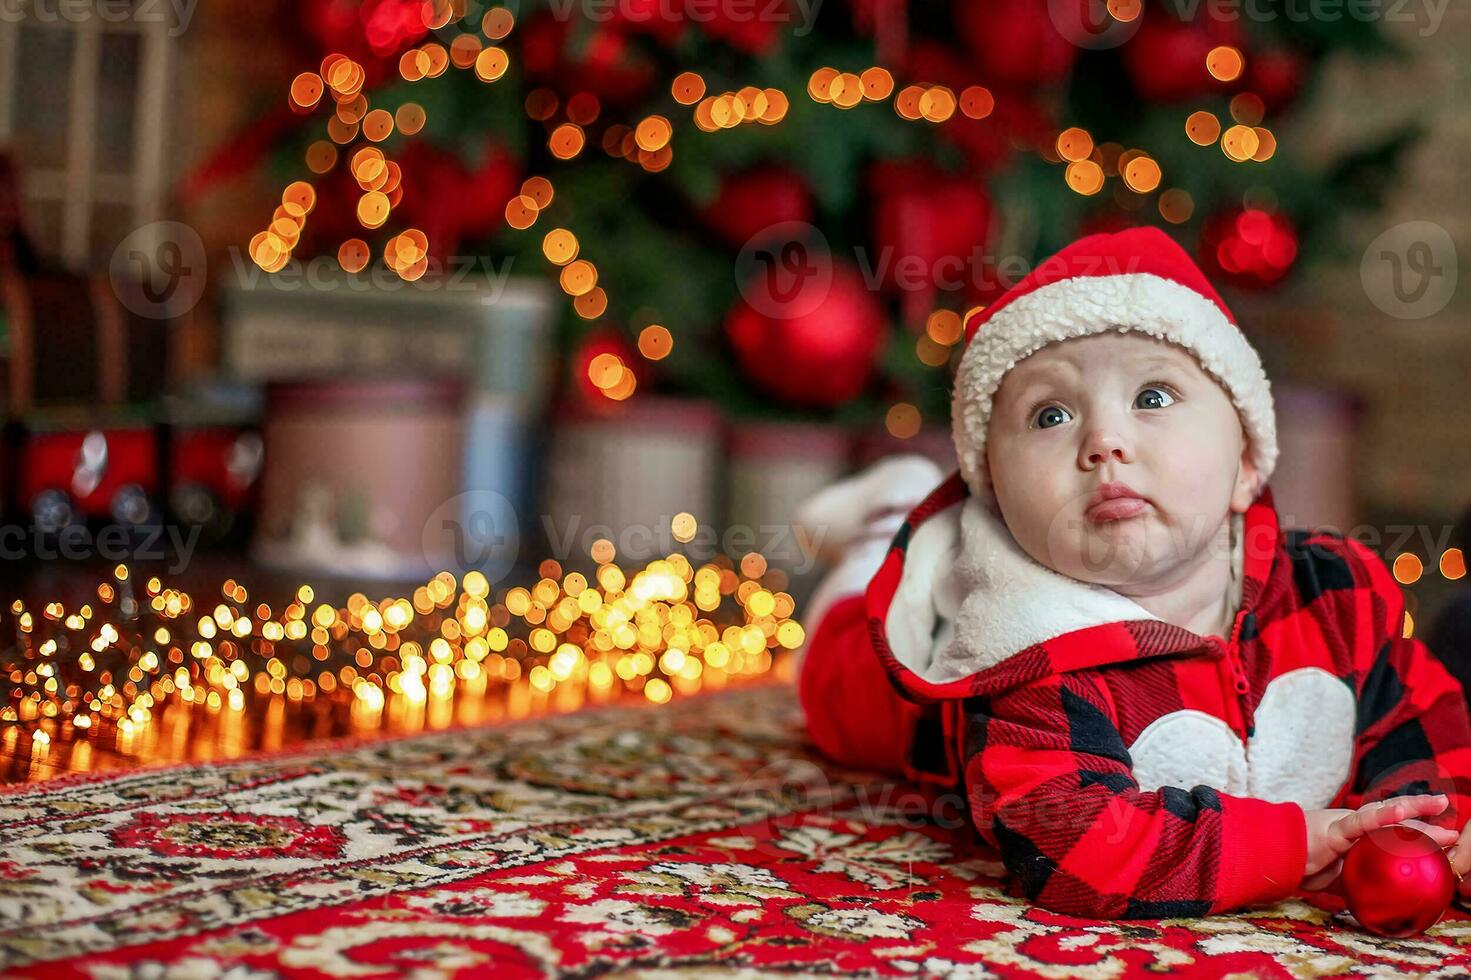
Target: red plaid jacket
[(1135, 769)]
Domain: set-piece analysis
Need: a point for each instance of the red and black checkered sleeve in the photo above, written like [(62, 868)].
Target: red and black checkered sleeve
[(1051, 786), (1413, 734)]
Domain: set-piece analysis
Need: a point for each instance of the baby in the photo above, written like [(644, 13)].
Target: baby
[(1157, 701)]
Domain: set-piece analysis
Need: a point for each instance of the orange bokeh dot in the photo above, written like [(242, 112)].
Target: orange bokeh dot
[(378, 125), (605, 370), (1203, 128), (559, 246), (521, 212), (977, 102), (410, 118), (578, 277), (943, 327), (491, 64), (592, 304), (652, 133), (353, 255), (655, 342), (1225, 63), (1453, 563), (877, 84), (373, 208), (306, 89), (539, 189), (566, 141), (902, 421), (688, 88), (321, 156), (497, 23), (1085, 177)]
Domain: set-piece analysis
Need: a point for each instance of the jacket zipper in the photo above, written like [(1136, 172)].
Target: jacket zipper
[(1235, 676)]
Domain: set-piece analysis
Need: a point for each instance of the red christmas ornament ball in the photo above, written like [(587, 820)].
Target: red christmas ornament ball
[(1248, 247), (821, 351), (750, 202), (1167, 57), (1397, 881), (1016, 41)]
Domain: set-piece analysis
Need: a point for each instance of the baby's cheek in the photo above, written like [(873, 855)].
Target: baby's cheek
[(1199, 469)]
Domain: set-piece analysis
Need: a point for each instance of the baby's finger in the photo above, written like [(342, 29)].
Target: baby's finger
[(1443, 836), (1372, 816)]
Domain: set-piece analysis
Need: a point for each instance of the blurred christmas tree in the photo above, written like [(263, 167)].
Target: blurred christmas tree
[(937, 149)]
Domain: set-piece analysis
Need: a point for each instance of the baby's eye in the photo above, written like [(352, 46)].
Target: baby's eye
[(1151, 398), (1049, 417)]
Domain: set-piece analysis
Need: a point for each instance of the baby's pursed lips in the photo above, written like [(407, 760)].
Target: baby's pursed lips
[(1111, 491)]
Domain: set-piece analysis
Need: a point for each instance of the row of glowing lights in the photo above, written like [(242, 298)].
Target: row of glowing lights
[(634, 626)]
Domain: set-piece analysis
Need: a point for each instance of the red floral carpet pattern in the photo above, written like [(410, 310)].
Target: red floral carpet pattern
[(697, 837)]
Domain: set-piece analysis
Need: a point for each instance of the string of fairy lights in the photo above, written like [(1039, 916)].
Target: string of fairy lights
[(668, 628), (1088, 166)]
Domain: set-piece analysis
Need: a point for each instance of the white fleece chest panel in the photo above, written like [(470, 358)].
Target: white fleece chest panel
[(1300, 752)]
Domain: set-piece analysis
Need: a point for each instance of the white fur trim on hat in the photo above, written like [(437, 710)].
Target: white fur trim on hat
[(1087, 305)]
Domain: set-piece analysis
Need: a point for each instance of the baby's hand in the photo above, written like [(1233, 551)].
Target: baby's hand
[(1332, 832)]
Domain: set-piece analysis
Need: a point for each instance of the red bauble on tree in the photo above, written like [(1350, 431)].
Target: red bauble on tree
[(367, 31), (753, 29), (1248, 247), (1167, 57), (816, 349), (1276, 75), (928, 226), (756, 199), (1397, 881), (1015, 41), (606, 62), (450, 201)]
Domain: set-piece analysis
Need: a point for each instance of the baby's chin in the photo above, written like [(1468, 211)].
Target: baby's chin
[(1112, 553)]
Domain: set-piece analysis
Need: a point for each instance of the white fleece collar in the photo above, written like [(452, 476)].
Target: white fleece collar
[(970, 597)]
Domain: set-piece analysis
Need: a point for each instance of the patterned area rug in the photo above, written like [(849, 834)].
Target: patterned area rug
[(671, 841)]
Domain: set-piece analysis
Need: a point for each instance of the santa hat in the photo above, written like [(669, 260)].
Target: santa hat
[(1138, 279)]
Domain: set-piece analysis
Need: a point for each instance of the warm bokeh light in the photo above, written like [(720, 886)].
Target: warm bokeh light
[(1085, 177), (655, 342), (1203, 128), (1074, 144), (144, 652), (1225, 63), (902, 421), (1176, 205), (687, 88), (977, 102), (1240, 143), (1408, 568), (1453, 564)]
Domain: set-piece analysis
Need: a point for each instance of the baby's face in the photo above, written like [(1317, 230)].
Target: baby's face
[(1117, 408)]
